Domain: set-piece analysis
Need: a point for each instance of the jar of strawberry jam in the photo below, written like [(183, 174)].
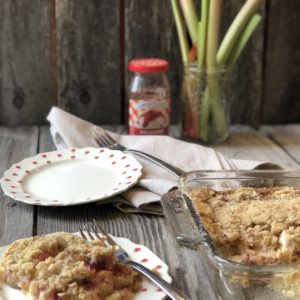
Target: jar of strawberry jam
[(149, 97)]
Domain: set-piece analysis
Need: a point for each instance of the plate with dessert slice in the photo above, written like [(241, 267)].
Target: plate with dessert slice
[(71, 176), (64, 266)]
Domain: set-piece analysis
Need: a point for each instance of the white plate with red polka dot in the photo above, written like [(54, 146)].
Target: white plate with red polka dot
[(71, 176), (138, 253)]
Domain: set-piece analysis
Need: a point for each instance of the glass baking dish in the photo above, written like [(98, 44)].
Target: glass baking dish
[(231, 280)]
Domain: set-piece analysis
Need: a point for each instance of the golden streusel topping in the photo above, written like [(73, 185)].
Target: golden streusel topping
[(252, 225), (64, 266)]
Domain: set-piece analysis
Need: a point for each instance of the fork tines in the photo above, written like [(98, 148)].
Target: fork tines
[(89, 233), (95, 231), (102, 137)]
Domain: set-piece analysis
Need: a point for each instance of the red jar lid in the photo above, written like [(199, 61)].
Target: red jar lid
[(148, 65)]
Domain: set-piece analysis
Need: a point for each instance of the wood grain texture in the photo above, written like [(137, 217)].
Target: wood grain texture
[(282, 58), (88, 59), (15, 144), (26, 88), (150, 32), (287, 137), (246, 143), (245, 84), (45, 140)]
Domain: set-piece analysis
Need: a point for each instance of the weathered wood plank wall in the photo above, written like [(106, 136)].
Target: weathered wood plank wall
[(282, 58), (88, 59), (74, 54), (245, 82), (26, 86)]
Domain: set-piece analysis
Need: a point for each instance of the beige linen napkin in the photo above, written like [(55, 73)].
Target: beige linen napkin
[(70, 131)]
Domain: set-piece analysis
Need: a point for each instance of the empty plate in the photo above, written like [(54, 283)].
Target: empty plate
[(71, 176)]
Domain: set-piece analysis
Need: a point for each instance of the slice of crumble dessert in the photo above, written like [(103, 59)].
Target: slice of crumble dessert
[(67, 267)]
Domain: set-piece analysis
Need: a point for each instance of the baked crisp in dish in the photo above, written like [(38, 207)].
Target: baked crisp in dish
[(65, 266), (256, 226)]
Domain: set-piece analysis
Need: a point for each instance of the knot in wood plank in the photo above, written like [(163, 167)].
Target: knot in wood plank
[(85, 97), (18, 101)]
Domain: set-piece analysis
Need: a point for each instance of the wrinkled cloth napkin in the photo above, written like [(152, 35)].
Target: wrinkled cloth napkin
[(70, 131)]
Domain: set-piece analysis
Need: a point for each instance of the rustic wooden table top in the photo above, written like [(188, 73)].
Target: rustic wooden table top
[(277, 144)]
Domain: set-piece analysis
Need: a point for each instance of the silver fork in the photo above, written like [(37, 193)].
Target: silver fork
[(92, 233), (104, 140)]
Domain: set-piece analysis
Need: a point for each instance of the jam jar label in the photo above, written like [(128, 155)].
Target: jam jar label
[(149, 116)]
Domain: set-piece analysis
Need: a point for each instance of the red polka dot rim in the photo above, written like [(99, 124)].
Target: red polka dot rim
[(71, 176)]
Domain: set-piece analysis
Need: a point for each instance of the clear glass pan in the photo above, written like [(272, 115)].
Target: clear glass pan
[(231, 280)]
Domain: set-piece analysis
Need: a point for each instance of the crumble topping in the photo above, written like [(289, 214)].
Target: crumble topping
[(66, 267), (256, 226)]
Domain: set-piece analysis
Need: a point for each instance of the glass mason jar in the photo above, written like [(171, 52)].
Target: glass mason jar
[(206, 115), (149, 97)]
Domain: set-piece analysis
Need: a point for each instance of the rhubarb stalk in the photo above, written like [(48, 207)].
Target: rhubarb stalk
[(190, 17), (202, 32), (191, 106), (211, 108), (212, 60), (183, 41), (243, 40), (235, 30)]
